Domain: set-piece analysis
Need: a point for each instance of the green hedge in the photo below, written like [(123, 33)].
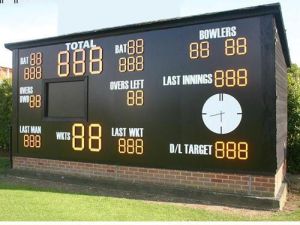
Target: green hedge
[(5, 112), (293, 153)]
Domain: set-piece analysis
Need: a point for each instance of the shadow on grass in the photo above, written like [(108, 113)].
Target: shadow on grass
[(45, 182), (103, 187)]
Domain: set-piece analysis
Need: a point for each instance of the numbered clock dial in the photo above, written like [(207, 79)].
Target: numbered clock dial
[(221, 113)]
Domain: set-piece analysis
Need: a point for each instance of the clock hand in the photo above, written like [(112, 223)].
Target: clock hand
[(214, 114), (221, 113)]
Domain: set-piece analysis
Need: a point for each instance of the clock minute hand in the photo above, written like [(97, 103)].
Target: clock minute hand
[(221, 114)]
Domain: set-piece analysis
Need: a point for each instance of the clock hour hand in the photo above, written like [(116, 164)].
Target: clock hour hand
[(221, 115), (214, 114)]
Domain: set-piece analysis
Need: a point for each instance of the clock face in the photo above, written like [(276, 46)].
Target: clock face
[(221, 113)]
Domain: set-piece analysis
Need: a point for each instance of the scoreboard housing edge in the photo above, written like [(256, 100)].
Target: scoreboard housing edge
[(202, 93)]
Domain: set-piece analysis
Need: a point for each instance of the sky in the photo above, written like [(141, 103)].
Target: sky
[(33, 19)]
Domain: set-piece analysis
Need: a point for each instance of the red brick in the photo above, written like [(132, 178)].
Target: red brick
[(256, 188), (261, 179), (210, 175), (216, 180), (228, 181), (234, 177), (183, 173), (143, 170), (241, 182), (222, 176), (246, 178), (271, 180), (198, 175), (260, 184)]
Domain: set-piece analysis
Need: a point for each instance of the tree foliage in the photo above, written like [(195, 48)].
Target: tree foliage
[(294, 119), (5, 112)]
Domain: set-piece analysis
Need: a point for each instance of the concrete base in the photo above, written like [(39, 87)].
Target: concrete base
[(282, 195), (168, 193)]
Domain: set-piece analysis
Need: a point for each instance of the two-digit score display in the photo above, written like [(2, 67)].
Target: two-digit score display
[(94, 138), (135, 98), (35, 101)]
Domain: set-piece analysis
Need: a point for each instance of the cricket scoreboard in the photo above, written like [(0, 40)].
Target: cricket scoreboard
[(178, 95)]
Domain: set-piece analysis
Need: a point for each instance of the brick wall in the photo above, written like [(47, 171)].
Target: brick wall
[(230, 183)]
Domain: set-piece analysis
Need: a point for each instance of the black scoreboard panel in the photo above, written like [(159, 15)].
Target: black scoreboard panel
[(188, 97)]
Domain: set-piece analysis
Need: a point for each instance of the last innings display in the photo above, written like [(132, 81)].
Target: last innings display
[(186, 97)]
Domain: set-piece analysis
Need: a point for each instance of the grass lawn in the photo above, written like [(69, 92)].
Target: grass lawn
[(24, 202)]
